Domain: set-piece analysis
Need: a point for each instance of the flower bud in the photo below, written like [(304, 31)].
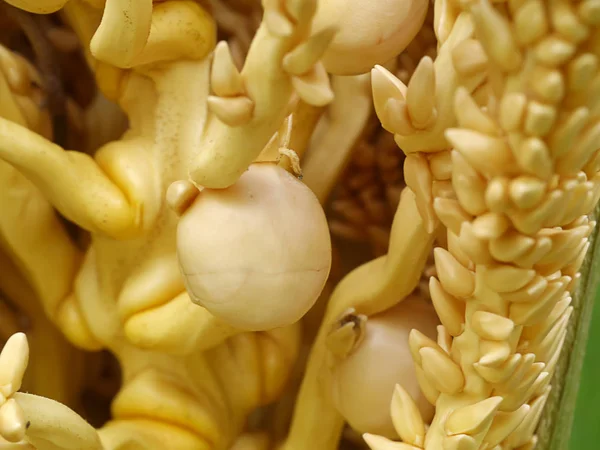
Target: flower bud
[(370, 32), (256, 254), (364, 382)]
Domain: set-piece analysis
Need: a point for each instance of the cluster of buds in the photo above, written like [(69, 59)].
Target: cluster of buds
[(522, 183)]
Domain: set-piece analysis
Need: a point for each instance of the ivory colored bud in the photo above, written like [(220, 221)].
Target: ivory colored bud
[(364, 382), (256, 254), (370, 32)]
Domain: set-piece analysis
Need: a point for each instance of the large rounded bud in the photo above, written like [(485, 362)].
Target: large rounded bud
[(370, 32), (256, 254), (364, 382)]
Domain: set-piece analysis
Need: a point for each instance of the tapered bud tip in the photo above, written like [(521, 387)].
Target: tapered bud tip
[(18, 340), (180, 195)]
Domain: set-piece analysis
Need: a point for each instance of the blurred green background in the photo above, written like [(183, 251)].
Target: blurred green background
[(586, 428)]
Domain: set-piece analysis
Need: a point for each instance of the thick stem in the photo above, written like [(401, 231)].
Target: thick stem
[(228, 151), (327, 159)]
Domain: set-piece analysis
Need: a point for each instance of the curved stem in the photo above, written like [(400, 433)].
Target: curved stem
[(369, 289), (72, 181), (123, 31)]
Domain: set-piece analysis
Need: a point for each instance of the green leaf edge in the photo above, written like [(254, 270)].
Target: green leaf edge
[(554, 431)]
